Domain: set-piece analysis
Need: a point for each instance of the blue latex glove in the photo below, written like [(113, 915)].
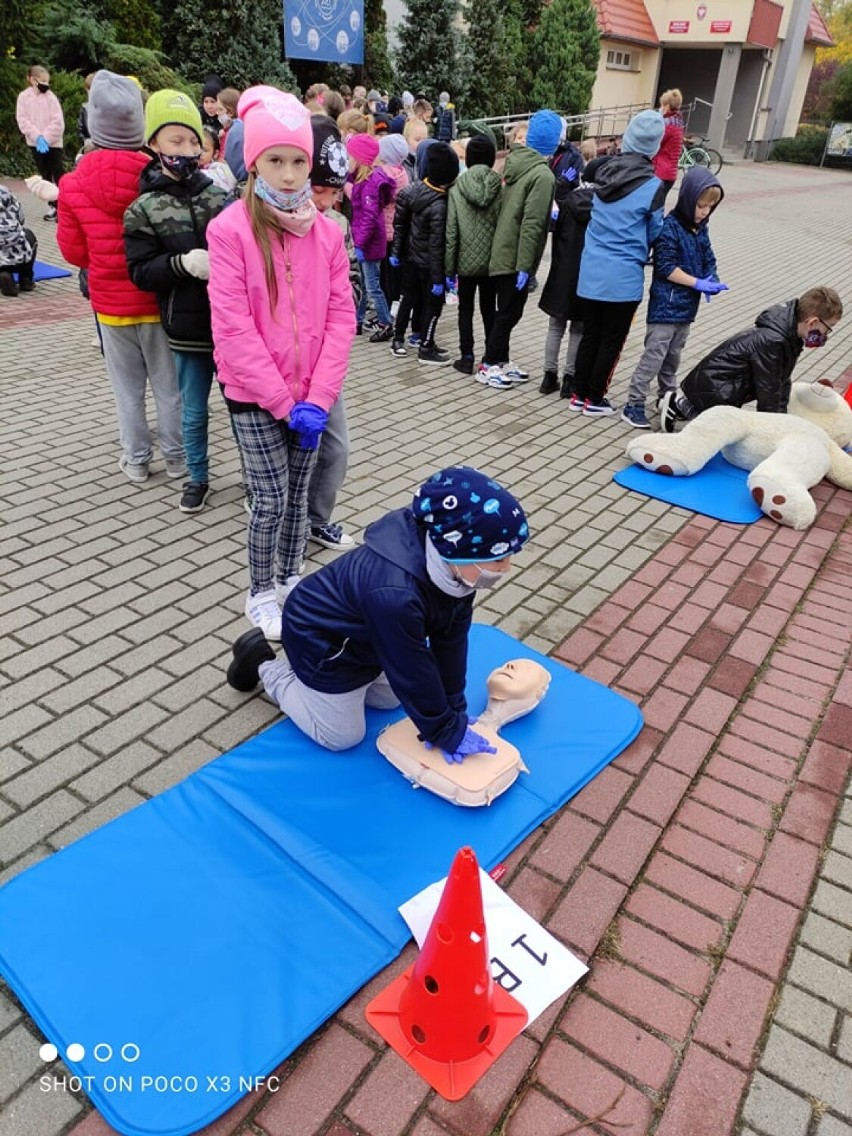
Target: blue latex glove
[(437, 289), (521, 281), (709, 287), (450, 282), (359, 255), (570, 174), (308, 421), (472, 742), (42, 145), (393, 261), (554, 212)]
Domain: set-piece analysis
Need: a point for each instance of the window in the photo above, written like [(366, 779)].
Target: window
[(622, 60)]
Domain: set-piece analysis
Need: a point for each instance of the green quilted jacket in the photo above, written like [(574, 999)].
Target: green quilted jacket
[(473, 207), (524, 219)]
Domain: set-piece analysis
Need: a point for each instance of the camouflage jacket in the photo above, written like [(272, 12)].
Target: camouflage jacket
[(167, 219)]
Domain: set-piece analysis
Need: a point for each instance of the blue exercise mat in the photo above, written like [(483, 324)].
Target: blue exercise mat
[(42, 271), (200, 938), (719, 490)]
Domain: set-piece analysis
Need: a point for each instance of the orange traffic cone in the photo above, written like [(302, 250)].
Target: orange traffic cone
[(445, 1015)]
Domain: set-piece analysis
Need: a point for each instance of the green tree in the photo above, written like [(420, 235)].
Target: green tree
[(566, 48), (378, 71), (135, 22), (491, 87), (841, 95), (240, 40), (428, 56)]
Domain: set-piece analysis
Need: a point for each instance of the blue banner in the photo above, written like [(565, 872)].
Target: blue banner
[(327, 30)]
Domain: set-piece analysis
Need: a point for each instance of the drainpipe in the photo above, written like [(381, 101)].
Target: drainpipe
[(751, 143)]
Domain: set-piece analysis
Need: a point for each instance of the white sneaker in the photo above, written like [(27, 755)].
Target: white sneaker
[(282, 591), (492, 377), (263, 611), (513, 371), (175, 469)]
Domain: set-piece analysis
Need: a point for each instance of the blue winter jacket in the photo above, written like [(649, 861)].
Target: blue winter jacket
[(375, 609), (627, 216), (682, 245)]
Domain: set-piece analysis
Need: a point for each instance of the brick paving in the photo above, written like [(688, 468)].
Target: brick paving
[(706, 874)]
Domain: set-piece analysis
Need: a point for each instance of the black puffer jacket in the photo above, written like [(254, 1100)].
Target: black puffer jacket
[(754, 364), (167, 219), (559, 295), (420, 228)]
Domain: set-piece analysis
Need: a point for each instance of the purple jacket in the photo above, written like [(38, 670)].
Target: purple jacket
[(369, 198)]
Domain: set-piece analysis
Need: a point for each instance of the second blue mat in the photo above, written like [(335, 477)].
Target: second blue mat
[(192, 944), (719, 490)]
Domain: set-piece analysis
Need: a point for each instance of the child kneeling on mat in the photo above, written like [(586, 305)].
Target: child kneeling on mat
[(387, 624)]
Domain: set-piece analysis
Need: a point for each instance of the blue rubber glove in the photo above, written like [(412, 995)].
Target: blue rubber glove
[(709, 287), (470, 743), (42, 145), (570, 174), (521, 281), (308, 421), (450, 282), (393, 261), (554, 212), (437, 289), (359, 255)]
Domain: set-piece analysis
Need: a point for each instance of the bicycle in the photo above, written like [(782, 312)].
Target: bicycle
[(695, 153)]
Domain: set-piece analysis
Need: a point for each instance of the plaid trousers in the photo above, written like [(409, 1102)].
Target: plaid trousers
[(277, 471)]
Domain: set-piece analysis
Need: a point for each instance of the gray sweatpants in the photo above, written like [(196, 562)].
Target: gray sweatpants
[(553, 343), (138, 354), (664, 344), (330, 469), (335, 721)]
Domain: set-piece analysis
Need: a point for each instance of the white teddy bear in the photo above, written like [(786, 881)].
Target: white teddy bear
[(787, 454)]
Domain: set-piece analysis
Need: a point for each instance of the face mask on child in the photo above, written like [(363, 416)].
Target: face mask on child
[(181, 166), (43, 87), (288, 202), (816, 338), (225, 119)]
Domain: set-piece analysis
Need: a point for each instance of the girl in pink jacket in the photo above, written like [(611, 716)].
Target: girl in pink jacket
[(283, 326), (372, 190), (40, 120)]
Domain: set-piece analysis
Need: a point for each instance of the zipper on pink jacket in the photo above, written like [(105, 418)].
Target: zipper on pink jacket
[(286, 243)]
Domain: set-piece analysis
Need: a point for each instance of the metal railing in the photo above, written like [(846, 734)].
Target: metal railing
[(601, 122)]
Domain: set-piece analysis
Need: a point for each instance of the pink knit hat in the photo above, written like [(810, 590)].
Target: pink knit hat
[(273, 118), (364, 148)]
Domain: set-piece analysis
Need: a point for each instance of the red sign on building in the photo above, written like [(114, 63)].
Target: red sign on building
[(678, 27), (722, 27)]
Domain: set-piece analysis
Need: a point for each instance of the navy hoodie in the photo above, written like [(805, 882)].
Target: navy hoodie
[(375, 609), (682, 244)]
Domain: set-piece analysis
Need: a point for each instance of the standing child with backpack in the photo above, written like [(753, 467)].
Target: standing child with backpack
[(283, 326), (372, 189)]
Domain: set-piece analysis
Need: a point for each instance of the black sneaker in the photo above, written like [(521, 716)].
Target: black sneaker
[(382, 334), (398, 348), (250, 650), (8, 284), (598, 408), (567, 388), (464, 365), (432, 357), (668, 413), (194, 496), (26, 284), (550, 383)]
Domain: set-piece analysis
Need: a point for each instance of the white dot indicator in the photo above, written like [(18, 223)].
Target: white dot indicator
[(48, 1052), (75, 1051)]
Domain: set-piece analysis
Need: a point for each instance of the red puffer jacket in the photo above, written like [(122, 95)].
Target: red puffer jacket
[(90, 233)]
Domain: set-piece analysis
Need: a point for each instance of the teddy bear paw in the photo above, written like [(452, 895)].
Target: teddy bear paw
[(655, 460), (791, 506)]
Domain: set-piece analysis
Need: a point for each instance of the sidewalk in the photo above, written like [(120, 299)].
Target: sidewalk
[(702, 873)]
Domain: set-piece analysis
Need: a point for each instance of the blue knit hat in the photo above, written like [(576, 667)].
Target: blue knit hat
[(544, 132), (469, 517), (644, 134)]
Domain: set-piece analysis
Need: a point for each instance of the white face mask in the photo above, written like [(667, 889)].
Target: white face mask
[(487, 578)]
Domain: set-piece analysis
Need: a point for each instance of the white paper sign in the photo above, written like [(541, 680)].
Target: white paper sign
[(525, 959)]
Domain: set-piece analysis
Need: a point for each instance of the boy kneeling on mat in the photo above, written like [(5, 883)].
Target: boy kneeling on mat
[(387, 624)]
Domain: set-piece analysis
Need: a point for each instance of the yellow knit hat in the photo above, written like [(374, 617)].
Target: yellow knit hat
[(167, 107)]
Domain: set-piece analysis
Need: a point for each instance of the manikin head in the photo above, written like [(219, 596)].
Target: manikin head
[(519, 678)]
